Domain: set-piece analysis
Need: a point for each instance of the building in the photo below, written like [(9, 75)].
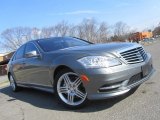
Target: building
[(147, 35), (4, 59), (6, 56), (138, 36), (1, 57)]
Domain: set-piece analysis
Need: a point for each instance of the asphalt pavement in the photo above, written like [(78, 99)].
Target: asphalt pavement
[(142, 104)]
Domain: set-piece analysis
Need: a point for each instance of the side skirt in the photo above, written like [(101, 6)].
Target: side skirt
[(35, 86)]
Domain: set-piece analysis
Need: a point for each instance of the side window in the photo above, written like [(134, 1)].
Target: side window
[(20, 52), (30, 47), (14, 57)]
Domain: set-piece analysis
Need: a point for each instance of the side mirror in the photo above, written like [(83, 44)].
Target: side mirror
[(32, 54)]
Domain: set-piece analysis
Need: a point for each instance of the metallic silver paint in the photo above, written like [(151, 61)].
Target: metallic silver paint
[(40, 70)]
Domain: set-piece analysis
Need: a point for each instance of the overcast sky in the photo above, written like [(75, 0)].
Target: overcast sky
[(139, 14)]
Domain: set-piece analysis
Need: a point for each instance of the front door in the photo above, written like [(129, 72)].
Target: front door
[(36, 71)]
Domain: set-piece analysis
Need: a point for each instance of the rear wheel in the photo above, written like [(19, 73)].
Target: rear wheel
[(13, 84), (70, 90)]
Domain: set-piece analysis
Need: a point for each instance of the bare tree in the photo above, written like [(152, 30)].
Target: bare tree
[(47, 32), (156, 30), (103, 32), (14, 38), (79, 32), (61, 29), (121, 31), (36, 33), (73, 31), (88, 29)]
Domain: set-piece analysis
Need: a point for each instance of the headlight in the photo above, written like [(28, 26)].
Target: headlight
[(98, 61)]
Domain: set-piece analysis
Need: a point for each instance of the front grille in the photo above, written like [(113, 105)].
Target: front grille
[(135, 55), (135, 78)]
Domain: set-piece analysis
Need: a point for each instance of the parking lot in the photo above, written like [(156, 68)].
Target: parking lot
[(142, 104)]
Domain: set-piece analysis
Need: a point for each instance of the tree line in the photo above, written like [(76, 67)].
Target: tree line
[(88, 29), (156, 30)]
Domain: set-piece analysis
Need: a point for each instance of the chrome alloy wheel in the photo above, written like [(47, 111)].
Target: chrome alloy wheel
[(12, 83), (70, 89)]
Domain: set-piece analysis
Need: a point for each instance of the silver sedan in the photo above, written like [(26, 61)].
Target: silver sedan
[(77, 70)]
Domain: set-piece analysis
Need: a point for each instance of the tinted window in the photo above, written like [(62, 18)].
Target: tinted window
[(20, 52), (53, 44), (71, 42), (30, 47)]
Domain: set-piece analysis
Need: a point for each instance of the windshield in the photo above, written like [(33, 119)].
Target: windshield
[(53, 44)]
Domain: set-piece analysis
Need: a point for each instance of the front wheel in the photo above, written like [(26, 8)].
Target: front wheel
[(70, 90)]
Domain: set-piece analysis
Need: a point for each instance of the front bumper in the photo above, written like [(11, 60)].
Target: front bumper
[(120, 91), (106, 83)]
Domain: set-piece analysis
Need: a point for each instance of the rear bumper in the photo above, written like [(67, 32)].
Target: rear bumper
[(110, 82)]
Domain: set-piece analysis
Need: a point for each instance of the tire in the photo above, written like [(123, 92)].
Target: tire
[(69, 89), (13, 84)]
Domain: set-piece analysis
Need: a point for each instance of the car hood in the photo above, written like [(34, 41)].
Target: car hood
[(108, 47), (94, 49)]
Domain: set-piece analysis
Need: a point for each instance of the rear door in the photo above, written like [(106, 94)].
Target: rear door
[(18, 64)]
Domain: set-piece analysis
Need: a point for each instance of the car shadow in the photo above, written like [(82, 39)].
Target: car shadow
[(48, 101)]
